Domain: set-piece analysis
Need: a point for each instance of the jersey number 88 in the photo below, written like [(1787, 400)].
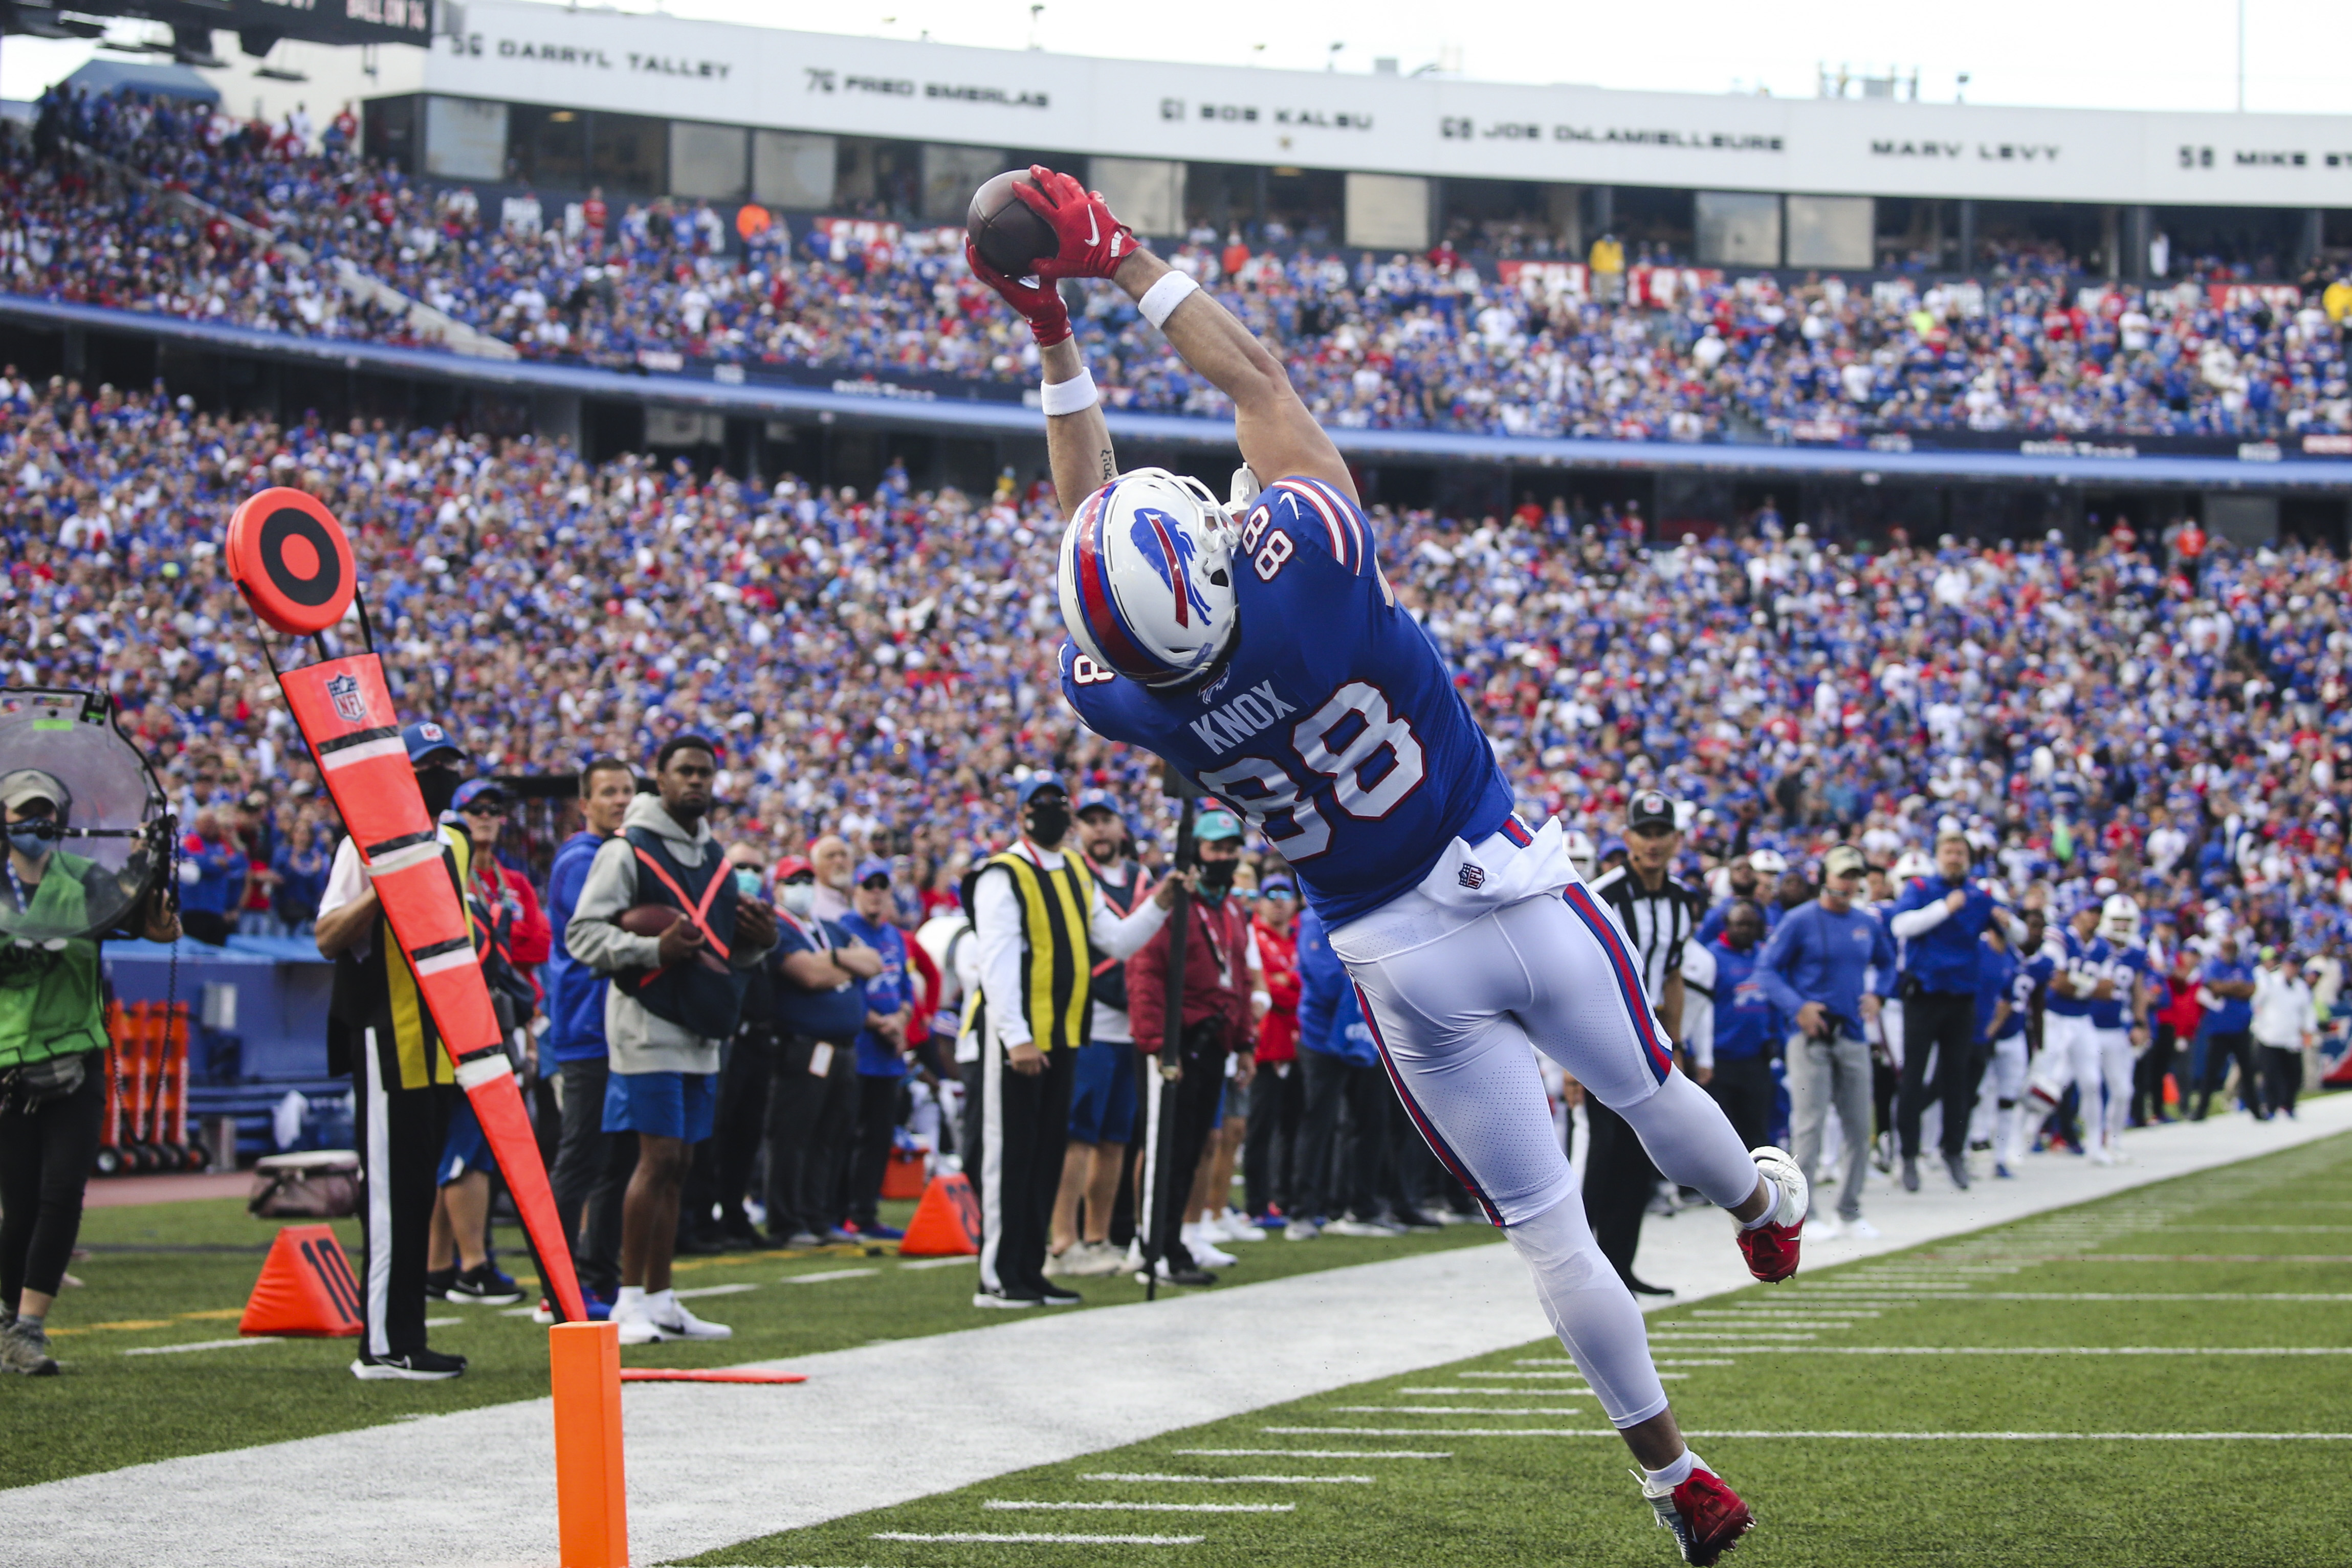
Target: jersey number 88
[(1373, 768)]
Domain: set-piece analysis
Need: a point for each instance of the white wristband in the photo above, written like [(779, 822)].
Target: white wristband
[(1073, 396), (1161, 298)]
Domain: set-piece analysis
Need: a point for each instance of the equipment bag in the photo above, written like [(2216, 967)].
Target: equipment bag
[(320, 1184)]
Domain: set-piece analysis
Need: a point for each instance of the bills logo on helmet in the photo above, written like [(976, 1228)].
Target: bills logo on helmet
[(1167, 546), (351, 703)]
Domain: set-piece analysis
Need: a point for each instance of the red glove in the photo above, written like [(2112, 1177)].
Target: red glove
[(1093, 243), (1048, 318)]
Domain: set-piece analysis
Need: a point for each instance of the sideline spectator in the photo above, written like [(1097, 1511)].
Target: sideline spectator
[(1339, 1172), (820, 972), (881, 1053), (2284, 1023), (53, 1078), (1103, 1079), (1277, 1096), (665, 1025), (1939, 920), (832, 858), (1657, 914), (403, 1085), (1817, 968), (2228, 1031), (1215, 1022), (1749, 1030), (299, 877), (1036, 914), (592, 1165), (214, 878), (721, 1177)]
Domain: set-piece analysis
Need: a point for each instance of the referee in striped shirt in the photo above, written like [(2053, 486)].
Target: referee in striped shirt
[(1658, 914)]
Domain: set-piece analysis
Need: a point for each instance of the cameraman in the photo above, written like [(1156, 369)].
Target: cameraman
[(52, 1076)]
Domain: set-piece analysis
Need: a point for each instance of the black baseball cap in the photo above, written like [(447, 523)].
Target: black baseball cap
[(1650, 811)]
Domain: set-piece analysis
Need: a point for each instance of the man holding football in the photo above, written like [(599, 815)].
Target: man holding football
[(1260, 650)]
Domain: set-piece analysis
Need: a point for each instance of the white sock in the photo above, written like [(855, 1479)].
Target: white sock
[(630, 1296), (1673, 1475), (1765, 1218)]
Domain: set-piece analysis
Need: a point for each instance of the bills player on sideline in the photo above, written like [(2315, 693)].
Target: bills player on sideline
[(1266, 658), (2098, 1003)]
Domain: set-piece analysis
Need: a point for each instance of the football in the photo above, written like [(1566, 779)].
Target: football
[(1009, 236), (653, 919)]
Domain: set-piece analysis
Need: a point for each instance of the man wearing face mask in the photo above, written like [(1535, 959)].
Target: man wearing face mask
[(404, 1086), (1034, 909), (1216, 1022), (819, 972)]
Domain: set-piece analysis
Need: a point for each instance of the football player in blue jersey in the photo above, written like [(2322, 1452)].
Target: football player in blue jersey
[(2119, 1023), (1259, 649)]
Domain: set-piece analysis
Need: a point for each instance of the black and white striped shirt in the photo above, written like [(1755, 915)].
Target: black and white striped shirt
[(1657, 923)]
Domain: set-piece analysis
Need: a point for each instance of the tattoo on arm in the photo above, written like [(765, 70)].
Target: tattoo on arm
[(1109, 468)]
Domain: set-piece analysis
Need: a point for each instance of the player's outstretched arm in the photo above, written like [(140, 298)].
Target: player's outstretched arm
[(1078, 445), (1278, 437)]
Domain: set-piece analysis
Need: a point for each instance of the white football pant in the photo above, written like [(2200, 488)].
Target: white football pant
[(1455, 993)]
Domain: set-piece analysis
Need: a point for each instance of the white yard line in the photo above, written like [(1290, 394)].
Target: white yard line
[(1004, 1505), (205, 1345), (2048, 1350), (712, 1465), (1232, 1481), (1504, 1392), (981, 1536), (936, 1262), (1445, 1410), (713, 1291), (1316, 1453), (829, 1274)]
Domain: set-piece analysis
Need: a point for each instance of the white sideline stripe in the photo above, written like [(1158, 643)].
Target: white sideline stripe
[(940, 1262), (1445, 1410), (713, 1291), (819, 1279), (1234, 1480), (1323, 1454), (206, 1344), (1008, 1506), (1577, 1375), (1678, 1336), (441, 1322), (977, 1535), (2049, 1350)]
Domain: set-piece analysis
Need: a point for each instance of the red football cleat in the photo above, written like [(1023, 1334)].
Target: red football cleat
[(1707, 1517), (1772, 1247)]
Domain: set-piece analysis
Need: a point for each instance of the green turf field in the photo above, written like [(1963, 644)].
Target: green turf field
[(1842, 1405), (178, 1274)]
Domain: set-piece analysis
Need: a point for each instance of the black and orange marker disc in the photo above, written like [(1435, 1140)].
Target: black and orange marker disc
[(293, 562)]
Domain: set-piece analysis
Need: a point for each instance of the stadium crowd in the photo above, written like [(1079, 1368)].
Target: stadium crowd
[(1435, 341)]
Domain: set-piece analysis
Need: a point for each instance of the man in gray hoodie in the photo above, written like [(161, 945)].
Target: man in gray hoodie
[(674, 999)]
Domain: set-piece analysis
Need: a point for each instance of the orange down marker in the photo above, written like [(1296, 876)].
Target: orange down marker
[(592, 1503)]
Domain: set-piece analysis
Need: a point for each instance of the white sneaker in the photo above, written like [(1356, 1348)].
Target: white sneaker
[(1060, 1264), (635, 1320), (2100, 1153), (1093, 1261), (1826, 1225), (1862, 1229), (1301, 1231), (1204, 1251), (1234, 1226)]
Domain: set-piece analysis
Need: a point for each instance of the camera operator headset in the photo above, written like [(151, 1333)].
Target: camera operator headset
[(52, 1032)]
